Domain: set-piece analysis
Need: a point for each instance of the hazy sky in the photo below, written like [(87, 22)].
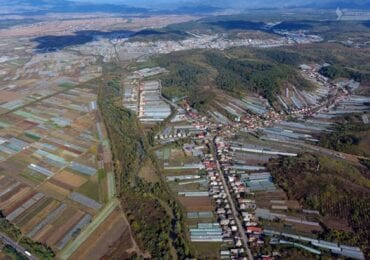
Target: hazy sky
[(218, 2), (208, 2), (131, 1), (224, 3)]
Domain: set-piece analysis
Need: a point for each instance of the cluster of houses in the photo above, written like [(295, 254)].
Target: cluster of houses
[(175, 132), (223, 211), (243, 180), (244, 203)]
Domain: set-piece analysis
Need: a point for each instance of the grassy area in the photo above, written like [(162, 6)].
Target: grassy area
[(207, 250), (147, 172), (34, 177), (194, 221), (90, 189), (176, 187), (101, 175), (66, 85), (179, 172), (176, 155), (103, 187), (292, 229)]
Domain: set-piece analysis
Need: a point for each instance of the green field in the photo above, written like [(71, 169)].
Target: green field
[(35, 177), (90, 189)]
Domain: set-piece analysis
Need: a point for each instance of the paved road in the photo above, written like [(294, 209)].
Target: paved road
[(232, 204), (8, 241)]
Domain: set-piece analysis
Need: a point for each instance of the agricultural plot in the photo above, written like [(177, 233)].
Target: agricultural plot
[(69, 180), (27, 76), (184, 170), (49, 162), (112, 229), (151, 106), (178, 159), (240, 108), (144, 97), (192, 204), (268, 201)]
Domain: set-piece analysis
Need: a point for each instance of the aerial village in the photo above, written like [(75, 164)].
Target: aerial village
[(215, 163), (55, 161)]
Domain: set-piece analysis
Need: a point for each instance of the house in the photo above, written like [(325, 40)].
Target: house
[(254, 230)]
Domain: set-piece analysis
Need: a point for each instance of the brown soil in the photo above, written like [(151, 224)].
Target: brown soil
[(112, 231), (196, 203)]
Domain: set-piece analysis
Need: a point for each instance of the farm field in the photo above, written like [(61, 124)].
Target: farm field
[(197, 203), (51, 151), (114, 228), (272, 202), (174, 156), (209, 249), (187, 178)]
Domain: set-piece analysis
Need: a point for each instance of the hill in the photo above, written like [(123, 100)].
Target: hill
[(337, 189), (201, 74)]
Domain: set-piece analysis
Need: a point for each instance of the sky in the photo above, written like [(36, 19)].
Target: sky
[(227, 4), (129, 2), (272, 3), (198, 2)]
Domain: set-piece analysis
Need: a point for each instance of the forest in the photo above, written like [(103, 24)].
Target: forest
[(236, 71), (334, 187), (36, 248), (155, 218), (262, 77), (340, 71), (348, 137)]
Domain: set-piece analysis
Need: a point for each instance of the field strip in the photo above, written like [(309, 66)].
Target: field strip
[(111, 185), (100, 217), (39, 100)]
